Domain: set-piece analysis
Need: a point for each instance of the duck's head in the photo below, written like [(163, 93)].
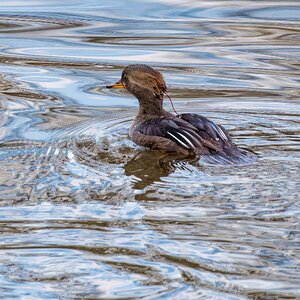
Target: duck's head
[(142, 81)]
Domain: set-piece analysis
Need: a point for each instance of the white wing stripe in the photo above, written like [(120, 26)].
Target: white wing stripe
[(179, 141), (220, 132), (192, 137), (191, 144)]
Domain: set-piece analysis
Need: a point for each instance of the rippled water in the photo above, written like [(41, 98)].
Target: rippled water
[(87, 214)]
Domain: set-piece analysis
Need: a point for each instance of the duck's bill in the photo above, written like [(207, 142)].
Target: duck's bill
[(117, 85)]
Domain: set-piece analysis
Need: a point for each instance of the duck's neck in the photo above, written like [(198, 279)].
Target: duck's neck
[(151, 105), (153, 108)]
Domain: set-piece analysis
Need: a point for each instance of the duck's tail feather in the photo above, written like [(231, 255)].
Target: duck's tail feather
[(238, 158)]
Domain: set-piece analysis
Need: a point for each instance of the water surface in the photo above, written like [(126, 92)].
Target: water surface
[(85, 213)]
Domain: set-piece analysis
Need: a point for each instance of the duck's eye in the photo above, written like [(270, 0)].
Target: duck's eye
[(125, 79)]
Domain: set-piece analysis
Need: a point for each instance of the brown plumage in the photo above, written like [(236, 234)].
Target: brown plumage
[(185, 134)]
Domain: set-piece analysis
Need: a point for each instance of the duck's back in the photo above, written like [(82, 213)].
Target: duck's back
[(187, 134)]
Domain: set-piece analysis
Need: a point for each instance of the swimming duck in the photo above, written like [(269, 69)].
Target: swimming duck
[(185, 134)]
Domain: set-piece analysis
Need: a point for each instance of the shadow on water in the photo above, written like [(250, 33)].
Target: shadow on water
[(148, 167), (85, 213)]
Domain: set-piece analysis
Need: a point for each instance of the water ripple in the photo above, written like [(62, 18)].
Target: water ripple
[(86, 213)]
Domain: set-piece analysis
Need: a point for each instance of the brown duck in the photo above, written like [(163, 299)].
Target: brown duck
[(184, 134)]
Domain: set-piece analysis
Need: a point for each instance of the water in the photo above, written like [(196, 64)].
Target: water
[(85, 213)]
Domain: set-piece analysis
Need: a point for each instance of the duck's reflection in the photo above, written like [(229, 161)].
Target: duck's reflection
[(150, 166)]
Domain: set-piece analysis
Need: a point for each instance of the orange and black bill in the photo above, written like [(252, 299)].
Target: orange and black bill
[(117, 85)]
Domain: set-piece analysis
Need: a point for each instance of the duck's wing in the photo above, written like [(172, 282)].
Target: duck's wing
[(225, 150), (162, 133), (190, 133), (181, 132), (207, 128)]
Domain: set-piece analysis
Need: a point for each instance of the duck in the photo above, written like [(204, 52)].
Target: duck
[(185, 134)]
